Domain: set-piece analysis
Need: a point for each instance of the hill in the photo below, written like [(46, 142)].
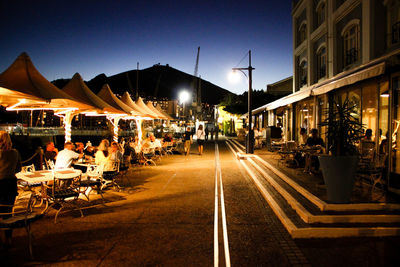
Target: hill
[(161, 81)]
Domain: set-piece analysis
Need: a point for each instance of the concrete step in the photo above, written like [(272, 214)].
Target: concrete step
[(303, 219)]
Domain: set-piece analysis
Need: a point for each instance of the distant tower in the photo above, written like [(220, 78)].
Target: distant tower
[(196, 84)]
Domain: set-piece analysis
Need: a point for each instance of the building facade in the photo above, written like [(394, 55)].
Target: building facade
[(346, 49)]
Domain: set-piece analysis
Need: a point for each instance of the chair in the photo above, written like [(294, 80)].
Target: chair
[(287, 151), (109, 175), (92, 179), (49, 164), (373, 171), (148, 155), (61, 194), (20, 218), (168, 148), (28, 168)]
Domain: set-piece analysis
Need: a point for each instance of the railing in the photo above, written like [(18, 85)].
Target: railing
[(52, 131), (351, 56)]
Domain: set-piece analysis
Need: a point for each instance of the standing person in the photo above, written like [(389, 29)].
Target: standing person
[(187, 136), (201, 135), (206, 131), (212, 133), (10, 163)]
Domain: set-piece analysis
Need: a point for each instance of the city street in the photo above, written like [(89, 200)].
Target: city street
[(167, 216)]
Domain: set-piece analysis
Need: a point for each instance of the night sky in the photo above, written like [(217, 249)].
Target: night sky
[(93, 37)]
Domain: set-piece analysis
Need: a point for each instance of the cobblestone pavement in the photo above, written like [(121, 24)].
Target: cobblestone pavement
[(165, 217)]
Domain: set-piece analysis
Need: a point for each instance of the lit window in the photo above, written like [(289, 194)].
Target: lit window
[(321, 62), (351, 44)]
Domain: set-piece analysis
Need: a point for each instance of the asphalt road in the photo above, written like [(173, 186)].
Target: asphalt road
[(176, 214)]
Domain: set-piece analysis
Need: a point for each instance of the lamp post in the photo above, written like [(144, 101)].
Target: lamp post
[(250, 136)]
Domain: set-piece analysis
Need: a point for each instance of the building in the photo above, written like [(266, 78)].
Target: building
[(281, 88), (345, 49)]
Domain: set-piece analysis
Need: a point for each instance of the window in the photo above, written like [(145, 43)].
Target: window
[(302, 32), (303, 73), (320, 13), (321, 62), (351, 43), (394, 22)]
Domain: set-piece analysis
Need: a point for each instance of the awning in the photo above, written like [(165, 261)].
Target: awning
[(350, 79), (286, 100), (108, 96), (22, 76), (10, 97), (126, 99), (77, 88)]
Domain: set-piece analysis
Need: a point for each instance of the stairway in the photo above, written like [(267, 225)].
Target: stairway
[(304, 215)]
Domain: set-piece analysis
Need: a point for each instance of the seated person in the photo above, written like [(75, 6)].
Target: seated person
[(66, 156), (312, 163), (115, 152), (79, 147), (314, 139), (149, 142), (102, 154), (303, 137), (368, 135), (167, 138), (51, 152), (90, 151)]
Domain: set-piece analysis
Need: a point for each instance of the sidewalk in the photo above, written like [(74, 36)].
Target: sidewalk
[(315, 182)]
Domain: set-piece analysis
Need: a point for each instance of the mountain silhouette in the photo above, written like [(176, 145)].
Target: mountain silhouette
[(159, 81)]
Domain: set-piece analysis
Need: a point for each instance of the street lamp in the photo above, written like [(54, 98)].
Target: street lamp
[(183, 98), (249, 146)]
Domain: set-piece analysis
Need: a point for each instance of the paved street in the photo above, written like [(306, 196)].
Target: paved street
[(168, 218)]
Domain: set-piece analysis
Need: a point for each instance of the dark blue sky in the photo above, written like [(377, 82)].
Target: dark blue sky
[(93, 37)]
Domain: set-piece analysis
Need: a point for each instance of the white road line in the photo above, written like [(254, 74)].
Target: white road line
[(218, 174), (216, 253)]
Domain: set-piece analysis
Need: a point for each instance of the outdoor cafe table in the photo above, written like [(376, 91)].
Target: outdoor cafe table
[(44, 176)]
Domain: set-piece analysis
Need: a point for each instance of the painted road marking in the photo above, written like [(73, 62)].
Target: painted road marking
[(218, 176)]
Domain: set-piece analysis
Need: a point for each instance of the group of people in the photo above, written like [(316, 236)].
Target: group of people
[(201, 138)]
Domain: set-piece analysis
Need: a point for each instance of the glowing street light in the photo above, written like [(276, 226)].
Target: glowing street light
[(183, 98), (249, 145)]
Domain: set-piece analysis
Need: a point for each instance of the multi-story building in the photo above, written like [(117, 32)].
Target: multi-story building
[(346, 49)]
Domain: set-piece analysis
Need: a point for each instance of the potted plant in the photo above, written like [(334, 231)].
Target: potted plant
[(339, 167)]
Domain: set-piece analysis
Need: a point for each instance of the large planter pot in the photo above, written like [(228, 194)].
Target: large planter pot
[(338, 173)]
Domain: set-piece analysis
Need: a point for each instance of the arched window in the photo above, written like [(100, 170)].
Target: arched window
[(303, 72), (351, 42), (321, 62), (302, 32), (320, 12)]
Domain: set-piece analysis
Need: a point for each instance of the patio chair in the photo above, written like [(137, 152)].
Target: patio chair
[(287, 152), (49, 164), (90, 180), (148, 155), (168, 148), (21, 217), (373, 172), (61, 194), (109, 176)]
